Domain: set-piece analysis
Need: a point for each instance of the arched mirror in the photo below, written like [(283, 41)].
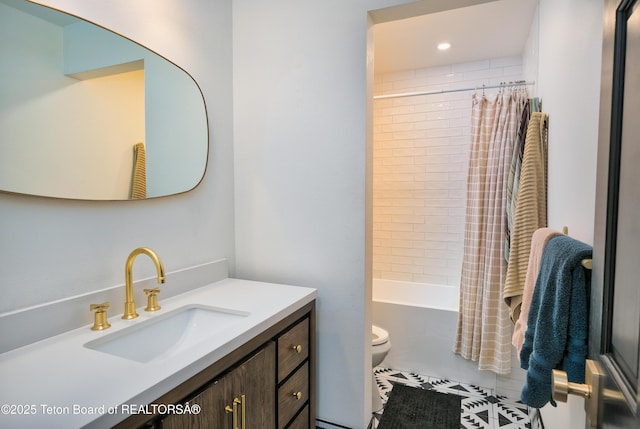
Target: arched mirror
[(87, 114)]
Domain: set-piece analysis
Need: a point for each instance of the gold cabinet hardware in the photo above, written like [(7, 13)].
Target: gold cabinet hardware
[(233, 409), (130, 305), (243, 403), (297, 348), (100, 316), (234, 413), (591, 390), (298, 395), (152, 299)]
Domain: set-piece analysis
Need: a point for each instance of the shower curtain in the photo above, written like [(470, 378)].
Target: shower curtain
[(484, 327)]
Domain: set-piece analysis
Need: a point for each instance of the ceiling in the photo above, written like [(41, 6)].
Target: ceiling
[(490, 30)]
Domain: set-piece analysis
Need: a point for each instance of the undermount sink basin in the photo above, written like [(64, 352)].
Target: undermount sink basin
[(167, 335)]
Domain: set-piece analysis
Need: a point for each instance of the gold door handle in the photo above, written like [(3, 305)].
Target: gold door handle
[(591, 390), (562, 387), (297, 395), (297, 348)]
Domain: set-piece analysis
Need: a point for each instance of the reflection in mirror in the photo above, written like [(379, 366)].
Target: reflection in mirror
[(87, 114)]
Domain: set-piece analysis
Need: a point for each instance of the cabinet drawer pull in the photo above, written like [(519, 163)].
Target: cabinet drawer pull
[(298, 395), (234, 412), (243, 403), (297, 348)]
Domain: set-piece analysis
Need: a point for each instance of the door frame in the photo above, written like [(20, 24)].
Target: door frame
[(607, 184)]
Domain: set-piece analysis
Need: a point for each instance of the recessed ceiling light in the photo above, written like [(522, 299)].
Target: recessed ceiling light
[(444, 46)]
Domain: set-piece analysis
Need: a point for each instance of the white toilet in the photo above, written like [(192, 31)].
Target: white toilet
[(380, 346)]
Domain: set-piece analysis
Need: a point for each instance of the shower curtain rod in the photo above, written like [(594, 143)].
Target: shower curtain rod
[(443, 91)]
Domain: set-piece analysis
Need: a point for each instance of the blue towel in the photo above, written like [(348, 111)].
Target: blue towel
[(558, 323)]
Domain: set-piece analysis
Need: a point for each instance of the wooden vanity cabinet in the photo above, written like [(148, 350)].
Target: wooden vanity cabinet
[(272, 375), (250, 385)]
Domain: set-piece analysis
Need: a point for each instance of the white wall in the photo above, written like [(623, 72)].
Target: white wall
[(300, 140), (53, 249), (569, 85), (300, 112), (570, 46)]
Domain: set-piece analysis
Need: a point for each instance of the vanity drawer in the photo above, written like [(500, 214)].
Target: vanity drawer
[(301, 421), (292, 395), (293, 348)]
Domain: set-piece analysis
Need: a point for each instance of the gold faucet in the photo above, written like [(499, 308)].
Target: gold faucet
[(130, 305)]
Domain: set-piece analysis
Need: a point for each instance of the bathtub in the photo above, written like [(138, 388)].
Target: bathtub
[(425, 295), (422, 321)]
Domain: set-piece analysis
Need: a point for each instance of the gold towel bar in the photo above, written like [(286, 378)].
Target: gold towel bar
[(587, 263)]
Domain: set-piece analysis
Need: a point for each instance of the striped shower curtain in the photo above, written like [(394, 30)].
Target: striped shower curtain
[(484, 327)]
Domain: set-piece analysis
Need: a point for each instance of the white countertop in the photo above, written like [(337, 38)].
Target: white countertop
[(59, 383)]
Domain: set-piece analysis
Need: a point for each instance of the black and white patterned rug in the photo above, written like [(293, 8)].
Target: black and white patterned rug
[(481, 408)]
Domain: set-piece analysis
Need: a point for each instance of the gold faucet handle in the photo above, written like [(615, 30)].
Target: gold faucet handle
[(152, 299), (100, 316), (100, 307)]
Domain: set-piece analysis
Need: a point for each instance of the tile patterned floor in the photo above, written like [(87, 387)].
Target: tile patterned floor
[(481, 408)]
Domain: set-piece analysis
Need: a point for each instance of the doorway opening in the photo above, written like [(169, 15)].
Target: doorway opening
[(419, 154)]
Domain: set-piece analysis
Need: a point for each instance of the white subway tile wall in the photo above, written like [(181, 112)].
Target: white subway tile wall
[(421, 153)]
